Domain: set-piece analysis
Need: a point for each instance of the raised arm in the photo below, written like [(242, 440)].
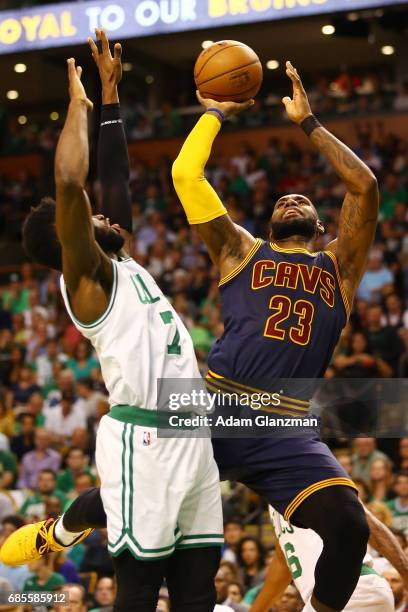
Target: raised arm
[(277, 580), (87, 270), (113, 159), (359, 213), (387, 545), (227, 243)]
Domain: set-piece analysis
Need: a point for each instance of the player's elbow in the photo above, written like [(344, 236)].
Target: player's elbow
[(368, 183), (181, 173)]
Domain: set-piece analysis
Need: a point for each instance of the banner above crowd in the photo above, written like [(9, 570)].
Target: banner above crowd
[(56, 25)]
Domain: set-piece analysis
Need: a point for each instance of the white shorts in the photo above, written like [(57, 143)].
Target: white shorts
[(159, 494), (372, 594)]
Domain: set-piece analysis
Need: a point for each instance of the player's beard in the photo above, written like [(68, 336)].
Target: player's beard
[(109, 240), (280, 230)]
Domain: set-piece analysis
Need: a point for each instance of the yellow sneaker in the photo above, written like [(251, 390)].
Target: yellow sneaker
[(32, 542)]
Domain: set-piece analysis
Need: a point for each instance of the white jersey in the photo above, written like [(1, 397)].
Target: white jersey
[(302, 549), (139, 339)]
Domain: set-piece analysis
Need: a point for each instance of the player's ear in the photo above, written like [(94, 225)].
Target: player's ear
[(320, 228)]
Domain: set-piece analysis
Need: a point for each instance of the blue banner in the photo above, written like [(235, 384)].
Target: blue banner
[(70, 23)]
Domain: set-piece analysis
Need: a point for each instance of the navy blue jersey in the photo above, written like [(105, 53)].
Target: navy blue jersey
[(283, 311)]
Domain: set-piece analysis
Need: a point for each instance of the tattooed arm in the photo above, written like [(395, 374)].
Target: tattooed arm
[(385, 542), (359, 213)]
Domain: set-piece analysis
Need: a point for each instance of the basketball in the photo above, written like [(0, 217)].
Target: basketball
[(228, 71)]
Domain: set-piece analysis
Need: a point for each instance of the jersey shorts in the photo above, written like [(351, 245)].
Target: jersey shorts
[(372, 594), (159, 494)]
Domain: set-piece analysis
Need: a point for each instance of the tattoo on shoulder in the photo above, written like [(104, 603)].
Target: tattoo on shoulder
[(232, 247)]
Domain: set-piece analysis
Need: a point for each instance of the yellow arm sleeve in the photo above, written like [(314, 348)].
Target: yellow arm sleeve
[(199, 200)]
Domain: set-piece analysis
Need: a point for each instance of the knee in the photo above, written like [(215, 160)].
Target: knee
[(349, 524)]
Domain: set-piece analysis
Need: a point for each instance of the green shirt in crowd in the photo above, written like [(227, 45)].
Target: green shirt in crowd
[(66, 482), (8, 464), (54, 581), (36, 499)]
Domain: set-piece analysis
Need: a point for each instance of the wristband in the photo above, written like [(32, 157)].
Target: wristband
[(219, 112), (110, 113), (309, 124)]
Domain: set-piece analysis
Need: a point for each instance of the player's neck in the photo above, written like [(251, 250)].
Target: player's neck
[(293, 242)]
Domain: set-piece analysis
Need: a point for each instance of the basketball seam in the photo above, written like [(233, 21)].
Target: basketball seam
[(239, 93), (211, 56), (228, 71)]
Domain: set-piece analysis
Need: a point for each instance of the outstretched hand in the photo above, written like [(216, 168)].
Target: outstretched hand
[(298, 107), (76, 87), (109, 67), (228, 108)]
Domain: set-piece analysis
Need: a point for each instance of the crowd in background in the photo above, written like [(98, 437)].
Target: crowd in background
[(345, 93), (53, 396)]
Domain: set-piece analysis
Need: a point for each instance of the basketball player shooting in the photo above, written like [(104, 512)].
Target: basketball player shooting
[(284, 307), (169, 524)]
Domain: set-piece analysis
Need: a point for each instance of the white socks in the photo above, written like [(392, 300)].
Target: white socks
[(64, 537)]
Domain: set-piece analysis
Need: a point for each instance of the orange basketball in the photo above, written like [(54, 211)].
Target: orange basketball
[(228, 70)]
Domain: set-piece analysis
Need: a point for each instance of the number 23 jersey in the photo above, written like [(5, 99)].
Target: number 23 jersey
[(283, 311)]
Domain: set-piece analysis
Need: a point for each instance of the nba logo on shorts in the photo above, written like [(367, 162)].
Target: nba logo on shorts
[(146, 438)]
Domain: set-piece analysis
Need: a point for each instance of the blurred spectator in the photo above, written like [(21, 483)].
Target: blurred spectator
[(290, 601), (41, 458), (34, 507), (376, 280), (251, 561), (44, 578), (63, 419), (385, 342), (104, 594), (8, 470), (380, 480), (399, 505), (83, 364), (233, 532), (24, 441), (398, 589), (77, 464), (221, 587), (88, 397), (18, 575), (76, 596), (365, 452)]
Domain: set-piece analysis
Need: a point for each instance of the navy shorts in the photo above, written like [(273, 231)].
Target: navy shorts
[(284, 471)]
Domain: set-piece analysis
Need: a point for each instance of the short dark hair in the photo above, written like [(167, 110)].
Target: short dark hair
[(48, 471), (40, 240)]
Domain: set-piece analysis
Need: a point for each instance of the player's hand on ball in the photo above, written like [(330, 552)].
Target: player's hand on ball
[(110, 68), (76, 88), (228, 108), (297, 108)]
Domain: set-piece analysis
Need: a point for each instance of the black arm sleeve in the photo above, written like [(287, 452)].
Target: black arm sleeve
[(113, 168)]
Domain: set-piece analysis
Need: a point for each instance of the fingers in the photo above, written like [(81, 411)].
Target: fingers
[(79, 71), (117, 51), (93, 47), (104, 40), (293, 75), (200, 98), (286, 100), (247, 104), (71, 68)]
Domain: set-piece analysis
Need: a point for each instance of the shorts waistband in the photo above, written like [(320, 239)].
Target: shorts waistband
[(145, 418), (278, 403)]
